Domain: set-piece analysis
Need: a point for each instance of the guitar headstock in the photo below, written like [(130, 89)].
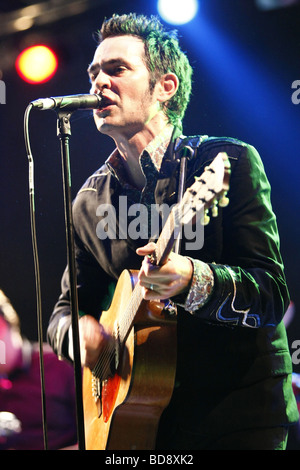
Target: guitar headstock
[(208, 191)]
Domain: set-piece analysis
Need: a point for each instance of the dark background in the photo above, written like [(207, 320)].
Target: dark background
[(245, 60)]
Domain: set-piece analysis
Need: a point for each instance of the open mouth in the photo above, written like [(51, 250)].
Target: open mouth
[(105, 103)]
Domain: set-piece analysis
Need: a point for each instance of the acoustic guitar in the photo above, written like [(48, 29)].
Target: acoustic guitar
[(132, 382)]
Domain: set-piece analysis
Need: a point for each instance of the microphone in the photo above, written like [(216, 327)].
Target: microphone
[(68, 103)]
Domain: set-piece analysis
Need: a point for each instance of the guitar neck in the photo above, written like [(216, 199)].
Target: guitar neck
[(166, 240), (163, 248)]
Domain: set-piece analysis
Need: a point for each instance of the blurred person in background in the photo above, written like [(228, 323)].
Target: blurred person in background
[(21, 425)]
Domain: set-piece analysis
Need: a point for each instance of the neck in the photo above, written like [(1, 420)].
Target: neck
[(131, 147)]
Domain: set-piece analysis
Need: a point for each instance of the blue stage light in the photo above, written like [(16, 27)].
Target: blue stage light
[(177, 12)]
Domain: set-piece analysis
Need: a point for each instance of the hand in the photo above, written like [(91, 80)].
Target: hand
[(163, 282), (93, 339)]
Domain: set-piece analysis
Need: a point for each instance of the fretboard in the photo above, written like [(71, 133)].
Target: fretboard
[(163, 248)]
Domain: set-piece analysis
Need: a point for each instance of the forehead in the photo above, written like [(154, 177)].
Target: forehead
[(129, 48)]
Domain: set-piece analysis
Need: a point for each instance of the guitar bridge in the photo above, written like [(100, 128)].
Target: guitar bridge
[(106, 369), (96, 393), (96, 388)]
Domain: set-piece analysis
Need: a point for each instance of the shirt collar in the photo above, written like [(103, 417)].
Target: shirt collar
[(158, 146), (156, 150)]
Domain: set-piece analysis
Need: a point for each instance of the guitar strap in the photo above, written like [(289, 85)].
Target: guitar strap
[(185, 149)]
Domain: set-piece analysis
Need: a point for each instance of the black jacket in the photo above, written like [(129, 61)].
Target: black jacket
[(233, 349)]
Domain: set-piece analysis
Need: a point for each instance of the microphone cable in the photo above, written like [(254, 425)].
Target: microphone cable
[(36, 270)]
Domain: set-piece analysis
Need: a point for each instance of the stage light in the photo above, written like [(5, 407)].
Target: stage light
[(36, 64), (177, 12)]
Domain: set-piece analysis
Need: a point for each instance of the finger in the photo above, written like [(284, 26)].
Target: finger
[(157, 274), (156, 293), (147, 249), (147, 269), (151, 294)]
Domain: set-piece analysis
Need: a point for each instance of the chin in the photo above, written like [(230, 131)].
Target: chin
[(108, 128), (102, 125), (105, 129)]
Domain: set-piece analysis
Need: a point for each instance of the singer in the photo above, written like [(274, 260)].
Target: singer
[(232, 368)]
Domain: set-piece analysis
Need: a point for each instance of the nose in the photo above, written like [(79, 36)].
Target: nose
[(101, 81)]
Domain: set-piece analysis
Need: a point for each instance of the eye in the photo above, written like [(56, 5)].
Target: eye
[(118, 70), (92, 75)]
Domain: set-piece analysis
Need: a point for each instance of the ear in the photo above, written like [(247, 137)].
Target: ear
[(167, 87)]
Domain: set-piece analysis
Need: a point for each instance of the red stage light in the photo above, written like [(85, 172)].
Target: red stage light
[(36, 64)]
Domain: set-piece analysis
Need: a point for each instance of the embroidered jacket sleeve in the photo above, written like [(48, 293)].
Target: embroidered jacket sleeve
[(246, 286)]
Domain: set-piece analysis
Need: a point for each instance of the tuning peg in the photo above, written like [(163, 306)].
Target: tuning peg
[(205, 219), (214, 209), (199, 179), (224, 201)]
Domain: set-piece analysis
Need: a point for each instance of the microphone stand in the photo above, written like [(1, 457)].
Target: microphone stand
[(63, 133)]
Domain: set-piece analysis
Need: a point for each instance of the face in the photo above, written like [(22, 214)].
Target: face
[(118, 70)]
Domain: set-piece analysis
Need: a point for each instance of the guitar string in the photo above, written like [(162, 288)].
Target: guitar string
[(109, 351)]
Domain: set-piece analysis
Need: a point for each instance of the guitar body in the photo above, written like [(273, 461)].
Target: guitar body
[(133, 399)]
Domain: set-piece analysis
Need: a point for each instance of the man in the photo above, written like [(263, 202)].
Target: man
[(21, 426), (233, 379)]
